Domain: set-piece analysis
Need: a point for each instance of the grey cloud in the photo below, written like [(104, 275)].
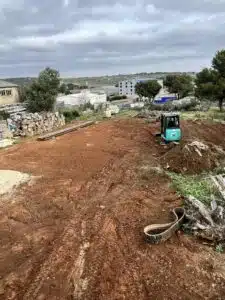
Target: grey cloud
[(87, 37)]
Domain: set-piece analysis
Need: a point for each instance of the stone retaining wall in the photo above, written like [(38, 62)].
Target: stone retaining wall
[(29, 124), (5, 133)]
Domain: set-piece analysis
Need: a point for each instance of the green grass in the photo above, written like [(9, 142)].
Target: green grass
[(99, 116), (212, 114), (127, 113), (197, 186), (92, 117)]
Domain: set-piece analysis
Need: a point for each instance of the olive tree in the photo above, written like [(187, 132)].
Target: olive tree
[(41, 94), (210, 82)]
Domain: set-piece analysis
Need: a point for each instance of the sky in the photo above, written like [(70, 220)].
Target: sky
[(105, 37)]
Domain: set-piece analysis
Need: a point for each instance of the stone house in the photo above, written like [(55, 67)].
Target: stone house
[(9, 93)]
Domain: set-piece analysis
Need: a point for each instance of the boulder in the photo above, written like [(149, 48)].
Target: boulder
[(114, 109)]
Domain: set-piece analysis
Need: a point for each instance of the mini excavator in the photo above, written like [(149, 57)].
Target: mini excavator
[(170, 128)]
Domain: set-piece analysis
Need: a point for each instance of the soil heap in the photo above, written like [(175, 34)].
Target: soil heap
[(193, 157)]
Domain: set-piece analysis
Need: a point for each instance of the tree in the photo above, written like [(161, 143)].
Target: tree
[(210, 82), (22, 93), (205, 84), (41, 94), (148, 89), (62, 88), (169, 82), (140, 89), (181, 85), (68, 92), (153, 88), (70, 86)]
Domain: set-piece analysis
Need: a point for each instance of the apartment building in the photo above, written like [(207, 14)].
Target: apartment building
[(127, 87)]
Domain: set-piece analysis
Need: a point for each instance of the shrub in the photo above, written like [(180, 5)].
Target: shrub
[(70, 114), (4, 115), (185, 104), (118, 97), (86, 106)]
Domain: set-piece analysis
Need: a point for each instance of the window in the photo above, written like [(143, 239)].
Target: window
[(173, 122), (5, 92)]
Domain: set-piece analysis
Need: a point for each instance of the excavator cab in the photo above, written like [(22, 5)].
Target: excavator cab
[(170, 127)]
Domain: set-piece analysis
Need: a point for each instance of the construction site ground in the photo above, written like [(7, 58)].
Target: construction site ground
[(76, 232)]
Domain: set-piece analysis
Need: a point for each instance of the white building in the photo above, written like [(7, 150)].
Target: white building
[(108, 89), (127, 87), (82, 97)]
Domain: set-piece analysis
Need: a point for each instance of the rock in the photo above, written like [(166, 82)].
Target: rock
[(114, 109), (108, 113), (28, 124), (6, 142), (11, 179)]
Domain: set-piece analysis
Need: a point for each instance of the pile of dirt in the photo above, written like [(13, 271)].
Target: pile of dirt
[(193, 157)]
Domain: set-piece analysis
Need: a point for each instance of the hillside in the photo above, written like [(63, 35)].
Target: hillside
[(95, 81)]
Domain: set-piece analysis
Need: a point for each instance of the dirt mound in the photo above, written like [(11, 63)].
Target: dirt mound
[(193, 157)]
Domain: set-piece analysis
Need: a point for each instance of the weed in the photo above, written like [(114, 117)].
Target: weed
[(219, 170), (127, 113), (220, 248), (196, 186), (70, 114), (186, 229), (212, 114)]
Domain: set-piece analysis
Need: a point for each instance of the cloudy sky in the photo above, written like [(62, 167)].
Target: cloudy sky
[(100, 37)]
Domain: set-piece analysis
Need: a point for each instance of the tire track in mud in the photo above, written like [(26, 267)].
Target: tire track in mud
[(58, 253), (80, 284), (63, 245), (97, 190), (109, 237), (111, 251)]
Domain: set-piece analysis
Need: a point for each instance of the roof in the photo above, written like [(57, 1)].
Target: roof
[(5, 84), (171, 114)]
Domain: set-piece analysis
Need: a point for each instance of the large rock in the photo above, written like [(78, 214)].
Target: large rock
[(114, 109)]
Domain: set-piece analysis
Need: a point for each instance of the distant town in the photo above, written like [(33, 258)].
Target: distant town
[(101, 80)]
